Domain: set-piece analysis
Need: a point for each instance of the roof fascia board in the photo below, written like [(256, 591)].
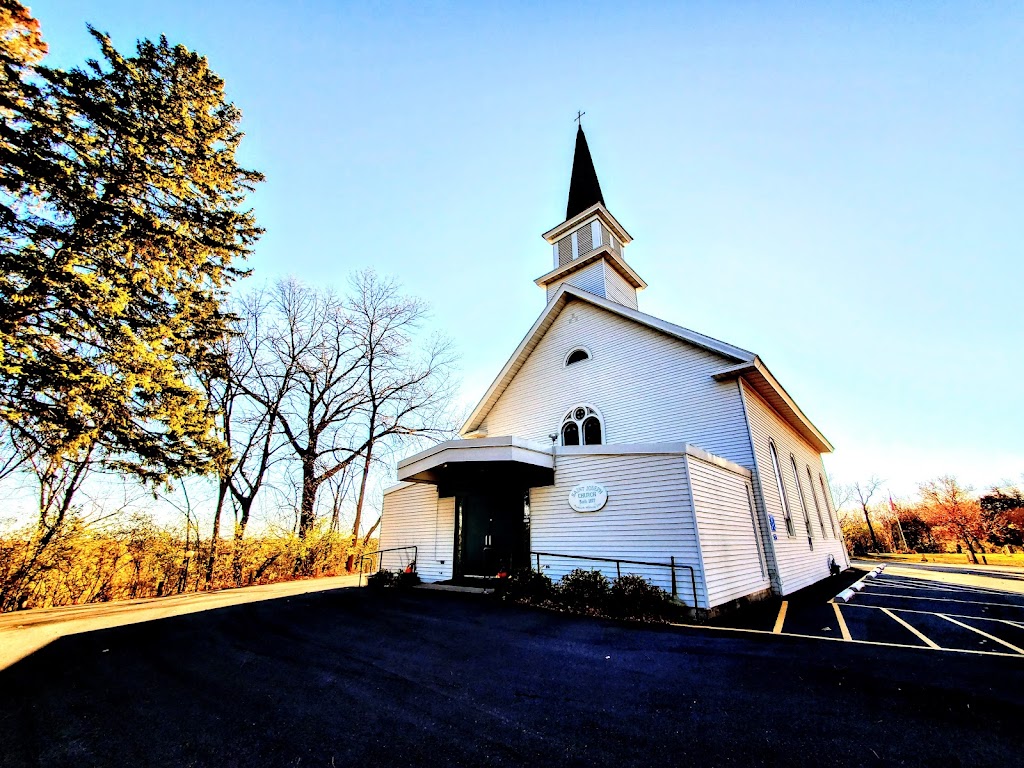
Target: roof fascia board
[(597, 209), (558, 300), (500, 441), (602, 251), (670, 329), (756, 374)]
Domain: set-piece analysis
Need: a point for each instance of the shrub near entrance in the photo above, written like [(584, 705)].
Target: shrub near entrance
[(584, 590), (526, 585), (634, 597)]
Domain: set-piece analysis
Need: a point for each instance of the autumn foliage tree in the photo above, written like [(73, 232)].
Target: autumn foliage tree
[(950, 508)]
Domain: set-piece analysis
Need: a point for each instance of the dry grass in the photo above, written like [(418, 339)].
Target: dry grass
[(952, 558)]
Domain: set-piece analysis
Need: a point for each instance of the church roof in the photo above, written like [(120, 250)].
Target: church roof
[(744, 364), (584, 188)]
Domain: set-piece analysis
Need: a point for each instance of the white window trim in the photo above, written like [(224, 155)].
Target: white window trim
[(565, 360), (800, 494), (579, 424), (817, 506), (787, 515), (828, 505)]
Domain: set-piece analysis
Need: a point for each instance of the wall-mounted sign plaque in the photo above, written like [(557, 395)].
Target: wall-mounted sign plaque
[(588, 497)]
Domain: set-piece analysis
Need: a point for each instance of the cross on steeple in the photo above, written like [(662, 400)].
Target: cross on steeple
[(579, 117)]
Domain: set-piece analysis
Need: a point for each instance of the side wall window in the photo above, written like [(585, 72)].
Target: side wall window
[(817, 506), (582, 426), (828, 506), (782, 489), (800, 494)]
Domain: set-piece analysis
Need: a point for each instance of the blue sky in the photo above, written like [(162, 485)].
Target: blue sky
[(837, 187)]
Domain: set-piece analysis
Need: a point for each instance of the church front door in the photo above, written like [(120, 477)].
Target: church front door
[(492, 533)]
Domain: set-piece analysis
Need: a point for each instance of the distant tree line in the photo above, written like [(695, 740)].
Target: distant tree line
[(128, 350), (946, 516)]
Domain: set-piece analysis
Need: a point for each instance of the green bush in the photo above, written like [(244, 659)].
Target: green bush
[(583, 590), (525, 584), (633, 596)]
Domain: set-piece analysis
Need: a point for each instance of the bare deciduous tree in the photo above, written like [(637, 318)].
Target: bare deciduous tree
[(864, 492), (407, 388)]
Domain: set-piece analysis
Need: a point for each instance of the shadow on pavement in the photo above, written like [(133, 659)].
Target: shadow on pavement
[(355, 678)]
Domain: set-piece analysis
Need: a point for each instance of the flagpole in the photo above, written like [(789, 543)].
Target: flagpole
[(896, 514)]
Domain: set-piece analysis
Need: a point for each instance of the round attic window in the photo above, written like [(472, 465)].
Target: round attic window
[(576, 356)]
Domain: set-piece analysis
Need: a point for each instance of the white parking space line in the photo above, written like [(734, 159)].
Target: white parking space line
[(1016, 624), (943, 600), (907, 585), (927, 641), (1011, 646)]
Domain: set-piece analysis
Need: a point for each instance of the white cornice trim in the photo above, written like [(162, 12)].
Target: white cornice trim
[(764, 383), (597, 209), (651, 449), (604, 251)]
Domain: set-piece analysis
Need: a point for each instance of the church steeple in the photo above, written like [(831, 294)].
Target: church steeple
[(584, 188), (587, 247)]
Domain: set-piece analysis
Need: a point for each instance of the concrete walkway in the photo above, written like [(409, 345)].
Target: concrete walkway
[(24, 632)]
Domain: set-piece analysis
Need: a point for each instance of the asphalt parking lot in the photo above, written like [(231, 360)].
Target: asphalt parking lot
[(909, 605), (349, 677)]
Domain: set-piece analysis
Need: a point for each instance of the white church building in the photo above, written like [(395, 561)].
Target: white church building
[(614, 440)]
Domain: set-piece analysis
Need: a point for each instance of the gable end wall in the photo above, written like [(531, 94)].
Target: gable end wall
[(648, 386)]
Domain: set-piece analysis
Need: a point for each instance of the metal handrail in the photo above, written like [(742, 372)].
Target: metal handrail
[(415, 556), (618, 561)]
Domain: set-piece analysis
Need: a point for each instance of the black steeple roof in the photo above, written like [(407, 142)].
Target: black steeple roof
[(584, 188)]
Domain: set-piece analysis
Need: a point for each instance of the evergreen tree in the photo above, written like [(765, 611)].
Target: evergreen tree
[(122, 224)]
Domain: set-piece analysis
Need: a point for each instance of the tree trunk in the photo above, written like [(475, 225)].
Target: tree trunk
[(871, 528), (970, 548), (369, 533), (359, 508), (307, 511), (215, 536), (236, 554)]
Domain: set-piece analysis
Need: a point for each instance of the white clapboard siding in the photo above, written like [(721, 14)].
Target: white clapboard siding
[(734, 565), (797, 564), (414, 515), (648, 517), (616, 287), (648, 387), (590, 279)]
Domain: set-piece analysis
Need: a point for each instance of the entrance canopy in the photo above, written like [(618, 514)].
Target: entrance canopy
[(459, 465)]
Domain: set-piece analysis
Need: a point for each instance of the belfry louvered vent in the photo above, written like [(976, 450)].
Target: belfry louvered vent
[(565, 250)]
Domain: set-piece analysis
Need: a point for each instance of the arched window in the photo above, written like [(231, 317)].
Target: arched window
[(578, 355), (803, 501), (828, 506), (782, 489), (817, 506), (584, 422)]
